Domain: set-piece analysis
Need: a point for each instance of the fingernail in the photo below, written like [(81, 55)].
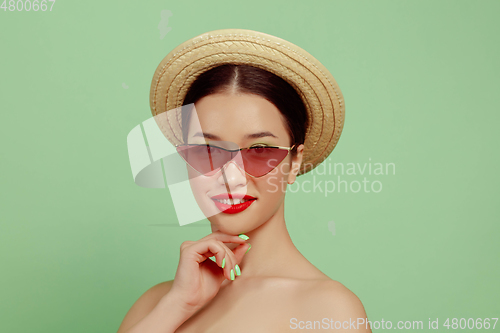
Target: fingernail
[(232, 275), (249, 247), (243, 236), (237, 269), (223, 262)]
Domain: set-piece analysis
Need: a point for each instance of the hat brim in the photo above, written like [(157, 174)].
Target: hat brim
[(312, 81)]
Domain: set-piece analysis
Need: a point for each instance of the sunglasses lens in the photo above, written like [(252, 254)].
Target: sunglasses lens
[(205, 159), (209, 159), (262, 160)]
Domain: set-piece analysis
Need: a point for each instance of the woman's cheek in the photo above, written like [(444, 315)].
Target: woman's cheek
[(200, 186), (276, 180), (273, 188)]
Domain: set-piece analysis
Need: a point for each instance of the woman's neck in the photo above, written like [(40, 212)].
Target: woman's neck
[(273, 253)]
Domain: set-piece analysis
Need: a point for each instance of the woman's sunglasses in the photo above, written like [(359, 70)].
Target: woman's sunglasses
[(257, 160)]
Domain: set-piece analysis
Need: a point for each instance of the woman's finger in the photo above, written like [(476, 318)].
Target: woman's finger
[(227, 260), (211, 247), (240, 251), (234, 269), (225, 238), (230, 262), (204, 249)]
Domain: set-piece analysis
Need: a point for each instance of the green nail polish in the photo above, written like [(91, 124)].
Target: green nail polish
[(243, 236), (223, 262), (249, 247), (232, 275), (237, 269)]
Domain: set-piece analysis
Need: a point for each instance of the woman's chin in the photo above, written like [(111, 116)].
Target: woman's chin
[(231, 225)]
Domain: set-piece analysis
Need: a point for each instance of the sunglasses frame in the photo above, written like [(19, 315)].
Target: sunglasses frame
[(233, 151)]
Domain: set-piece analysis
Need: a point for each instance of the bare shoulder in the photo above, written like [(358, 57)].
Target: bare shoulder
[(332, 300), (161, 289), (336, 295), (144, 304)]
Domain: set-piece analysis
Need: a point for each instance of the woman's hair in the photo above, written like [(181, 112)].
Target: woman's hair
[(252, 80)]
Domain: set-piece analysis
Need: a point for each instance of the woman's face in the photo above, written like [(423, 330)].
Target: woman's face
[(234, 118)]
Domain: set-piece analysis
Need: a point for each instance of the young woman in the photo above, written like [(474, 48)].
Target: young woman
[(243, 142)]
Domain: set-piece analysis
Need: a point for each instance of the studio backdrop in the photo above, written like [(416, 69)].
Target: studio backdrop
[(404, 212)]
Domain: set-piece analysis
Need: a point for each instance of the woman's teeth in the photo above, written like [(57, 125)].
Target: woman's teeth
[(228, 201)]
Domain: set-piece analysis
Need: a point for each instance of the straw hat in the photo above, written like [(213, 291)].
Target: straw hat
[(313, 82)]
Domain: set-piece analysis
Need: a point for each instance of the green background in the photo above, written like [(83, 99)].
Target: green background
[(420, 81)]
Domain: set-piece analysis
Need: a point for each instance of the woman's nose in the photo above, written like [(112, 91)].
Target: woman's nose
[(235, 175)]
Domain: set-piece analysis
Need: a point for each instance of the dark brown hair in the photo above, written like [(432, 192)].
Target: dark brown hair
[(253, 80)]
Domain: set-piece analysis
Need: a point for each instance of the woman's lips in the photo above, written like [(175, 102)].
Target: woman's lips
[(236, 208), (233, 195), (233, 209)]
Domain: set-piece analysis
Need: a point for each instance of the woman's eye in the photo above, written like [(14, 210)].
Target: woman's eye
[(214, 150), (258, 149)]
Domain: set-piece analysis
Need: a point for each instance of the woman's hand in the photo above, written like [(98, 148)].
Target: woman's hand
[(198, 279)]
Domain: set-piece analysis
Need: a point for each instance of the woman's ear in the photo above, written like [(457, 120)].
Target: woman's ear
[(296, 162)]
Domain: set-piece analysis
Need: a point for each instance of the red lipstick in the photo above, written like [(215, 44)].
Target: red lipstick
[(227, 208)]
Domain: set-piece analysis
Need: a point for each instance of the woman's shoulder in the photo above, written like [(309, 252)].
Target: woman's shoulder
[(327, 298), (156, 292), (333, 293), (304, 303), (309, 293), (145, 304), (162, 288)]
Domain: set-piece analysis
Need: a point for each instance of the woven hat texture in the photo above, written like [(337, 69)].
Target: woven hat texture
[(313, 82)]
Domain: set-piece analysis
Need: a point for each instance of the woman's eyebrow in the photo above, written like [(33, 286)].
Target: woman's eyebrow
[(248, 136)]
